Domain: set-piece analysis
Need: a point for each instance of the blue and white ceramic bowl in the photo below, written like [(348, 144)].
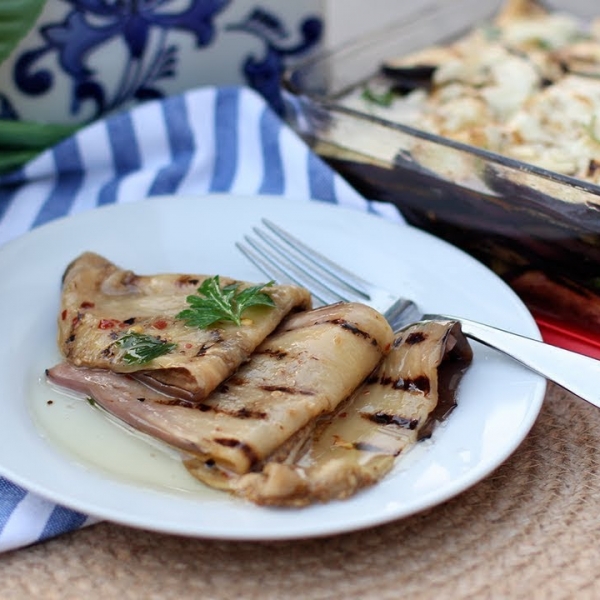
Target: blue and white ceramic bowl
[(84, 59)]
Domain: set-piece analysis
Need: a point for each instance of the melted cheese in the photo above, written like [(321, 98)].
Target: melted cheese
[(504, 87)]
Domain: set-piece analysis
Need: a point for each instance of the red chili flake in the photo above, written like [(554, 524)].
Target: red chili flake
[(189, 345), (63, 314), (107, 323), (160, 324), (87, 304), (343, 415)]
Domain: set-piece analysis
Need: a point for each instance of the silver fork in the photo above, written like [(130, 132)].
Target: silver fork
[(286, 259)]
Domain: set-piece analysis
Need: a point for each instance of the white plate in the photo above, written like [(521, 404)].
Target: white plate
[(498, 399)]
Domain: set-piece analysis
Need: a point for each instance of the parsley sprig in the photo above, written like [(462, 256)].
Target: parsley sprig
[(140, 348), (214, 303), (384, 99)]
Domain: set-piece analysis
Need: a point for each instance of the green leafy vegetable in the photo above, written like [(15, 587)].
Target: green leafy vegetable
[(213, 303), (382, 99), (543, 44), (140, 349), (16, 19), (491, 32), (20, 141)]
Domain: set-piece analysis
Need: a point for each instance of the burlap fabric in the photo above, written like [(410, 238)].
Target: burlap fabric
[(530, 530)]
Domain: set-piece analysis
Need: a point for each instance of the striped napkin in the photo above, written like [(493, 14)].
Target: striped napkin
[(208, 140)]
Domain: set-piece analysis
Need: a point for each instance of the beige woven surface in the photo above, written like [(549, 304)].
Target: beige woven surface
[(530, 530)]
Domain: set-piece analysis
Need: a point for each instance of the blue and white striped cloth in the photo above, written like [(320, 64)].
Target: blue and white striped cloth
[(208, 140)]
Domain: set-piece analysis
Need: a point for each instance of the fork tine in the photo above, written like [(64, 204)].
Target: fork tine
[(334, 271), (302, 265), (281, 268), (284, 258), (307, 266), (258, 258)]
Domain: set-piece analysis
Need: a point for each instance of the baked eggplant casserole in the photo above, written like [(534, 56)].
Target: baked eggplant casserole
[(486, 135), (525, 85)]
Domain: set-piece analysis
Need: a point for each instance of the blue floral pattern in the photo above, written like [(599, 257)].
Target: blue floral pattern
[(142, 26), (264, 74), (92, 23)]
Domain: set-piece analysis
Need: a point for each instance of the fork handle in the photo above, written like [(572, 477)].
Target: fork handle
[(574, 372)]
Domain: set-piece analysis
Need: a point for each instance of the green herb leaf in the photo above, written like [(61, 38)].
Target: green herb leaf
[(140, 349), (383, 99), (30, 135), (491, 32), (20, 141), (214, 304), (543, 44), (16, 19)]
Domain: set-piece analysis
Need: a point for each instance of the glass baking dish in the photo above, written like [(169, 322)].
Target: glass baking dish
[(537, 229)]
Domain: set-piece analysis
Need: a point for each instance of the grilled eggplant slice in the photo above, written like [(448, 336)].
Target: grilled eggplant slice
[(314, 361), (358, 444), (101, 302)]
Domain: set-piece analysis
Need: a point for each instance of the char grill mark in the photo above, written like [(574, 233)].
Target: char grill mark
[(366, 447), (357, 444), (382, 418), (187, 280), (416, 384), (240, 413), (419, 384), (245, 413), (234, 381), (250, 454), (417, 337), (215, 338), (267, 409), (411, 338), (277, 353), (101, 301), (352, 328)]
